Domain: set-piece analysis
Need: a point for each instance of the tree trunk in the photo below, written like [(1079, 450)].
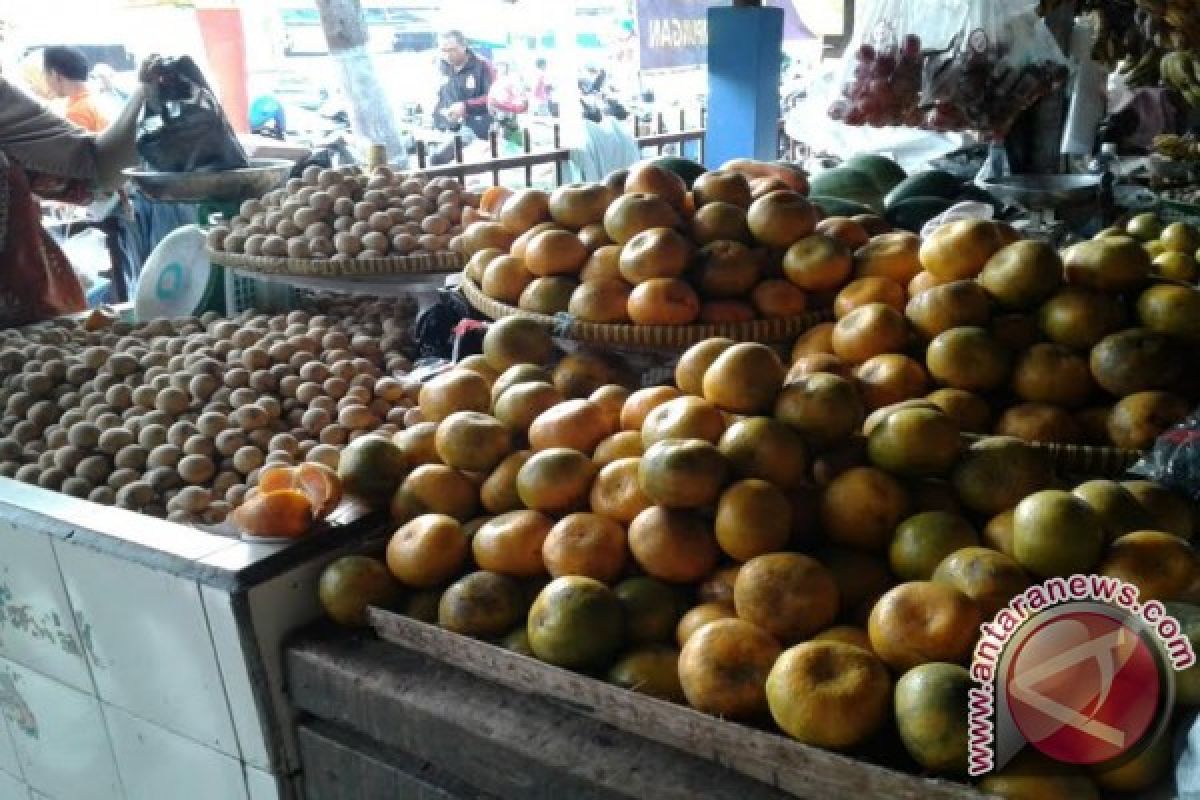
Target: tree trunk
[(371, 112)]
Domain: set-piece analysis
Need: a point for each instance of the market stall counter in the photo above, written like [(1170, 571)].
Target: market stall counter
[(140, 658)]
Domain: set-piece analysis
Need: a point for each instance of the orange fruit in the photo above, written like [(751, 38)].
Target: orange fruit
[(890, 378), (723, 668), (871, 289), (1080, 318), (650, 178), (1022, 275), (890, 255), (995, 473), (699, 616), (652, 608), (371, 467), (861, 579), (868, 331), (436, 489), (959, 250), (744, 378), (915, 443), (823, 408), (806, 366), (523, 403), (351, 584), (663, 301), (499, 492), (924, 540), (987, 576), (555, 481), (861, 507), (1119, 510), (642, 402), (617, 491), (623, 444), (684, 417), (1056, 533), (1038, 422), (548, 295), (1140, 418), (585, 544), (717, 222), (718, 587), (846, 634), (274, 479), (321, 485), (950, 305), (602, 265), (765, 448), (555, 252), (779, 298), (279, 514), (579, 374), (753, 519), (576, 623), (932, 715), (515, 340), (683, 473), (519, 373), (505, 278), (673, 546), (655, 253), (829, 694), (724, 269), (845, 230), (602, 301), (817, 339), (1033, 776), (427, 551), (481, 604), (818, 263), (724, 186), (471, 441), (650, 670), (968, 358), (511, 543), (523, 209), (1162, 566), (694, 363), (1054, 374), (970, 412), (632, 213), (789, 595), (485, 235), (452, 391), (576, 424), (611, 399), (493, 198), (781, 218), (920, 621), (578, 205)]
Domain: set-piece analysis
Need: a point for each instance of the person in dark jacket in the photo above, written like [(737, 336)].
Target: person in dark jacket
[(463, 95)]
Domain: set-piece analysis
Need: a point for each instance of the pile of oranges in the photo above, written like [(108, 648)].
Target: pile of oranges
[(643, 249), (762, 548)]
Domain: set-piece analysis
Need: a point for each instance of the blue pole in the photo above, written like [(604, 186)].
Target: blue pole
[(745, 48)]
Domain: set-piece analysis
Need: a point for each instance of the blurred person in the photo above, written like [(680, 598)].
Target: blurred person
[(506, 99), (42, 154), (109, 95), (66, 70), (267, 116), (543, 90), (467, 79)]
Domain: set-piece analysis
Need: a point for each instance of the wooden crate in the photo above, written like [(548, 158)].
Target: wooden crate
[(798, 769)]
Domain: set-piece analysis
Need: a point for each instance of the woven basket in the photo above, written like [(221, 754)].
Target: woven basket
[(659, 337), (417, 264), (1079, 459)]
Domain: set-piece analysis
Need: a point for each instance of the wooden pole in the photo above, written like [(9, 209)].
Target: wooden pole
[(370, 110)]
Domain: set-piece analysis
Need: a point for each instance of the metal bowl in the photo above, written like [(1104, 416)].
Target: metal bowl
[(263, 175), (1046, 192)]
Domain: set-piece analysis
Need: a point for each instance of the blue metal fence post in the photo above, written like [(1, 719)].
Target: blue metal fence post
[(745, 47)]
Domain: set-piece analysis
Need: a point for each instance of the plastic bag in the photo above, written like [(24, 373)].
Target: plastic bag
[(948, 65), (184, 129), (1174, 460)]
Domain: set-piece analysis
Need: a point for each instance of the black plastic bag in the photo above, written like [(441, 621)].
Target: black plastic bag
[(183, 128), (1174, 460)]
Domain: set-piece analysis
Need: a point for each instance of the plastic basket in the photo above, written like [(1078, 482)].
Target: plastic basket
[(244, 294)]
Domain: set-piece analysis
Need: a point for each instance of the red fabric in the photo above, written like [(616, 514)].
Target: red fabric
[(467, 325), (36, 280)]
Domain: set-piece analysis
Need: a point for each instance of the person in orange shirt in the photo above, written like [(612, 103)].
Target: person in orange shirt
[(66, 70)]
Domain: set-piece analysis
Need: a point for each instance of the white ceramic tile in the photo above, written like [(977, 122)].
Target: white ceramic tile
[(12, 789), (8, 751), (60, 736), (262, 785), (235, 672), (150, 652), (155, 763), (37, 628), (277, 608)]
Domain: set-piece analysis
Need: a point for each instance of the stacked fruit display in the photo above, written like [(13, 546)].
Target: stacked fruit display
[(1155, 40), (179, 418), (643, 249), (344, 214), (1010, 337), (725, 543)]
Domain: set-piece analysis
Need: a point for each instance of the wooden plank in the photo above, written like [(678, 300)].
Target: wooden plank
[(800, 770), (342, 765), (509, 743)]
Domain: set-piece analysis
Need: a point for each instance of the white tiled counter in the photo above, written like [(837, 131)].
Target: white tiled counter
[(141, 659)]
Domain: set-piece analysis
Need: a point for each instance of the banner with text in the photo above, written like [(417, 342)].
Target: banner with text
[(673, 33)]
